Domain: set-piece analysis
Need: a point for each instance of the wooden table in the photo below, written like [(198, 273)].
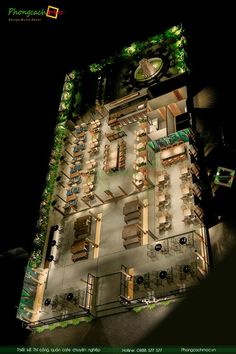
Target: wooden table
[(184, 170), (130, 231), (140, 161), (161, 178), (131, 207), (82, 255), (187, 212), (83, 221), (80, 135), (141, 132), (69, 198), (132, 216), (141, 146), (162, 219), (75, 174), (161, 197), (132, 241), (185, 190), (79, 246), (77, 153), (87, 188)]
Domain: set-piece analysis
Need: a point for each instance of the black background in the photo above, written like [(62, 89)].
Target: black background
[(35, 59)]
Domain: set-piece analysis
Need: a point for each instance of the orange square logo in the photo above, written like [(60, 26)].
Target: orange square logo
[(52, 12)]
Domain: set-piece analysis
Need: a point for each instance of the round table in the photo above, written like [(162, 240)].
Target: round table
[(186, 269), (140, 279), (53, 243), (163, 274), (158, 247), (47, 302), (69, 297), (183, 240), (50, 258)]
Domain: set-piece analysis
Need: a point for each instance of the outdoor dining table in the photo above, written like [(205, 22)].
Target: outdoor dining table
[(134, 241), (71, 197), (184, 170), (132, 216), (186, 190), (139, 176), (87, 188), (90, 164), (141, 146), (141, 132), (81, 255), (161, 197), (80, 135), (79, 246), (187, 212), (161, 178), (130, 231), (74, 174), (77, 153), (130, 207), (90, 179), (162, 219), (83, 221), (140, 161)]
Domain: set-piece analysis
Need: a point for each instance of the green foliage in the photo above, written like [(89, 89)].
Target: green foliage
[(75, 321), (157, 39), (152, 306), (86, 319), (138, 309), (165, 302), (64, 324), (40, 329), (52, 326), (95, 67), (130, 51)]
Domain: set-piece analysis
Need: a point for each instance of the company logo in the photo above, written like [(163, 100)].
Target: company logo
[(15, 14), (53, 12)]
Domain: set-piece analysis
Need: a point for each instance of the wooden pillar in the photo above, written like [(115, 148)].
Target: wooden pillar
[(29, 310), (59, 211), (139, 188), (129, 276), (109, 193), (141, 229), (123, 191), (143, 205), (90, 241), (61, 198), (65, 174), (155, 238), (85, 281), (68, 152), (86, 203), (94, 216), (98, 198)]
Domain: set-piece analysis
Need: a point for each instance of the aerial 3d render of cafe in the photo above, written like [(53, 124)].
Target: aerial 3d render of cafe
[(122, 220)]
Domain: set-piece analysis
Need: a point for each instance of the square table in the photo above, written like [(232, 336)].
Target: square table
[(69, 198), (162, 219), (161, 178), (161, 197)]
